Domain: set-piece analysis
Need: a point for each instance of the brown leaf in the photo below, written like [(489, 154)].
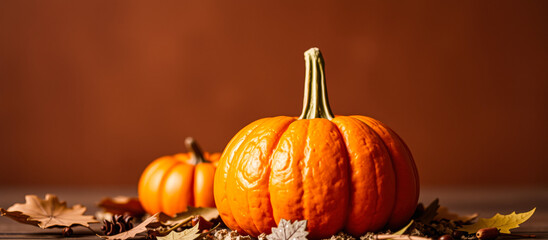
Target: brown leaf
[(188, 234), (48, 213), (162, 221), (444, 213), (18, 216), (123, 205), (207, 213), (134, 231), (429, 213), (287, 230)]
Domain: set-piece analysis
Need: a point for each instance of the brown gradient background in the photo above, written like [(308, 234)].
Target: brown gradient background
[(92, 91)]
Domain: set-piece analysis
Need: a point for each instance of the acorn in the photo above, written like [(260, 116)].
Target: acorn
[(487, 233)]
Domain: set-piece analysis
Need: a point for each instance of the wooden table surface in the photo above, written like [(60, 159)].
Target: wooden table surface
[(485, 201)]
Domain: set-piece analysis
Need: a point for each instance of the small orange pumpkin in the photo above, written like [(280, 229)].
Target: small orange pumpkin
[(347, 173), (171, 183)]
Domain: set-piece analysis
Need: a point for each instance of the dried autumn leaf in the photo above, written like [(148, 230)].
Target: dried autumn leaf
[(430, 212), (287, 230), (142, 227), (122, 205), (18, 216), (444, 213), (503, 222), (162, 221), (188, 234), (207, 213), (48, 213)]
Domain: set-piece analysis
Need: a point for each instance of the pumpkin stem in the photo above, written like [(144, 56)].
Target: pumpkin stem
[(315, 104), (195, 150)]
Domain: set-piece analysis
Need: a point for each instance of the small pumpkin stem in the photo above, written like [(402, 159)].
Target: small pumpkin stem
[(316, 103), (195, 150)]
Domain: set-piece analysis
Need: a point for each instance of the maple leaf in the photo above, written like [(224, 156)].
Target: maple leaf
[(18, 216), (48, 213), (142, 227), (289, 231), (188, 234), (444, 213), (122, 205), (503, 222)]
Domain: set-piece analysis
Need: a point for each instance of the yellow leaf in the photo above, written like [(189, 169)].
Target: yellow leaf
[(503, 222)]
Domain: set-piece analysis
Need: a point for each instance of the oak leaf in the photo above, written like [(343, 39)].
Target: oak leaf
[(142, 227), (188, 234), (503, 222), (289, 231), (48, 213)]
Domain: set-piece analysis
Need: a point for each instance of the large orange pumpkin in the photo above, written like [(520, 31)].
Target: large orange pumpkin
[(347, 173), (171, 183)]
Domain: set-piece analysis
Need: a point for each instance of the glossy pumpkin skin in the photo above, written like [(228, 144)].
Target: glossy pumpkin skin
[(171, 183), (349, 173)]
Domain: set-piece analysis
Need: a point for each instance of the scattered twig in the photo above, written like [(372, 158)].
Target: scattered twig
[(399, 237), (187, 220)]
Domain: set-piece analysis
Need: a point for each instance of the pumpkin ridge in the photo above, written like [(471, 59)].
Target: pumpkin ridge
[(399, 164), (268, 168), (413, 166), (148, 175), (233, 171), (348, 173), (306, 159), (324, 174), (408, 151), (378, 188), (257, 135), (231, 147), (286, 204), (381, 141), (203, 184), (374, 162), (163, 183), (192, 199)]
